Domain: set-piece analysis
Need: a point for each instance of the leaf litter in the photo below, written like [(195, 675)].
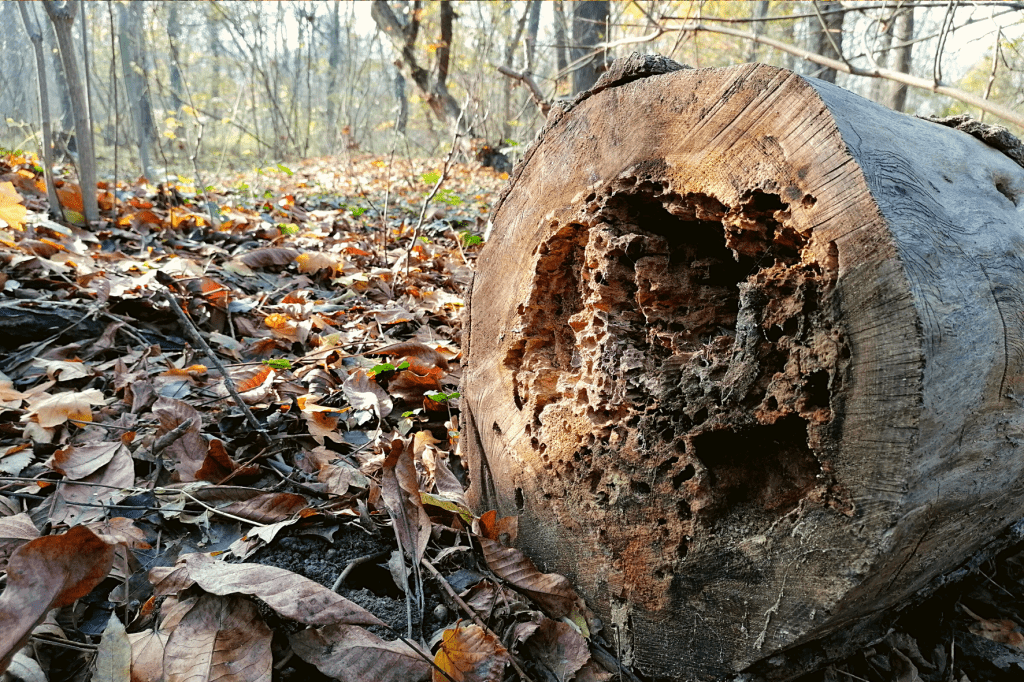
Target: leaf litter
[(216, 432), (229, 445)]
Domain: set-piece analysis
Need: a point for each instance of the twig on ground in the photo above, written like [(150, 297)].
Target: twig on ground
[(356, 563), (193, 332), (471, 613), (437, 187)]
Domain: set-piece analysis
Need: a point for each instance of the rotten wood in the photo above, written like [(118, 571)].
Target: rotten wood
[(746, 357)]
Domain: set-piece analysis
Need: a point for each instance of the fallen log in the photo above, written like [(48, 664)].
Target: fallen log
[(746, 358)]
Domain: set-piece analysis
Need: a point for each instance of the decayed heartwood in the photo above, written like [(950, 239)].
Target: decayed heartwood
[(745, 356)]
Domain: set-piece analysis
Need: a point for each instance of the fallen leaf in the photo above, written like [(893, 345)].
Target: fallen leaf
[(401, 491), (220, 639), (560, 647), (189, 451), (469, 654), (288, 593), (114, 654), (11, 210), (275, 255), (45, 573), (351, 654), (551, 591), (54, 410)]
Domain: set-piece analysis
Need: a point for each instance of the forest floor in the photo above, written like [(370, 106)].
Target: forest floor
[(232, 449)]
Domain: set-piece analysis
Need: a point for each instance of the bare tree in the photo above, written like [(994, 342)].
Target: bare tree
[(589, 30), (904, 31), (174, 38), (36, 36), (62, 15), (129, 34), (827, 38), (403, 39), (561, 41)]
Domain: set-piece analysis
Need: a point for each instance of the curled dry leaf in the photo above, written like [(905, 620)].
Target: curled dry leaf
[(15, 531), (363, 393), (220, 638), (551, 591), (400, 488), (289, 594), (351, 654), (189, 450), (54, 410), (78, 461), (46, 573), (275, 255), (560, 647), (267, 507), (470, 654)]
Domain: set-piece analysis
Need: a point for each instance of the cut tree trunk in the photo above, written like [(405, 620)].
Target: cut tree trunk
[(745, 358)]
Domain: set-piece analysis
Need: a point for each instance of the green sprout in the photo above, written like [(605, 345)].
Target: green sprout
[(278, 363)]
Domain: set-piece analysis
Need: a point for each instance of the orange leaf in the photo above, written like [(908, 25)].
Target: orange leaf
[(70, 196), (11, 210), (255, 380), (469, 654)]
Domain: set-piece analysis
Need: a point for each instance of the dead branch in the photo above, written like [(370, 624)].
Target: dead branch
[(535, 94)]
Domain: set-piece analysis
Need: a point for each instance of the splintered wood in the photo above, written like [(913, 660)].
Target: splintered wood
[(741, 356)]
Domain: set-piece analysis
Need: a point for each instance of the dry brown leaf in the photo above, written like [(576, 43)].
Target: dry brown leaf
[(11, 210), (592, 672), (351, 654), (121, 531), (268, 507), (114, 654), (494, 528), (312, 261), (78, 461), (54, 410), (189, 451), (275, 255), (220, 638), (288, 593), (15, 531), (470, 654), (81, 501), (401, 490), (363, 393), (560, 647), (551, 591), (46, 573)]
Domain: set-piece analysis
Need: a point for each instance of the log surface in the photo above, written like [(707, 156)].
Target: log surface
[(745, 357)]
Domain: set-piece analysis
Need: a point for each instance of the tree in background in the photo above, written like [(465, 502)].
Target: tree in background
[(589, 31)]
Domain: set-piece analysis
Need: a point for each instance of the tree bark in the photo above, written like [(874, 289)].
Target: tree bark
[(749, 369), (827, 36), (62, 15), (904, 30), (129, 28), (36, 37), (589, 29)]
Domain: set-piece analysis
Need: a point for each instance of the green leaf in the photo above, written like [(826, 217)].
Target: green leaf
[(441, 396), (288, 228), (431, 177), (285, 169), (381, 368), (358, 211), (469, 239), (447, 505), (278, 363), (404, 365)]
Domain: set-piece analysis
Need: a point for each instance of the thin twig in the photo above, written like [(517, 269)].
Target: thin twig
[(471, 613), (356, 563), (437, 186), (193, 333), (527, 80)]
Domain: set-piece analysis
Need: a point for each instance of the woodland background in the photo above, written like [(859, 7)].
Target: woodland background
[(179, 88), (286, 188)]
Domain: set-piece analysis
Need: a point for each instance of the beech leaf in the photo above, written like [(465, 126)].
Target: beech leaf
[(45, 573), (470, 654), (352, 654), (551, 591)]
